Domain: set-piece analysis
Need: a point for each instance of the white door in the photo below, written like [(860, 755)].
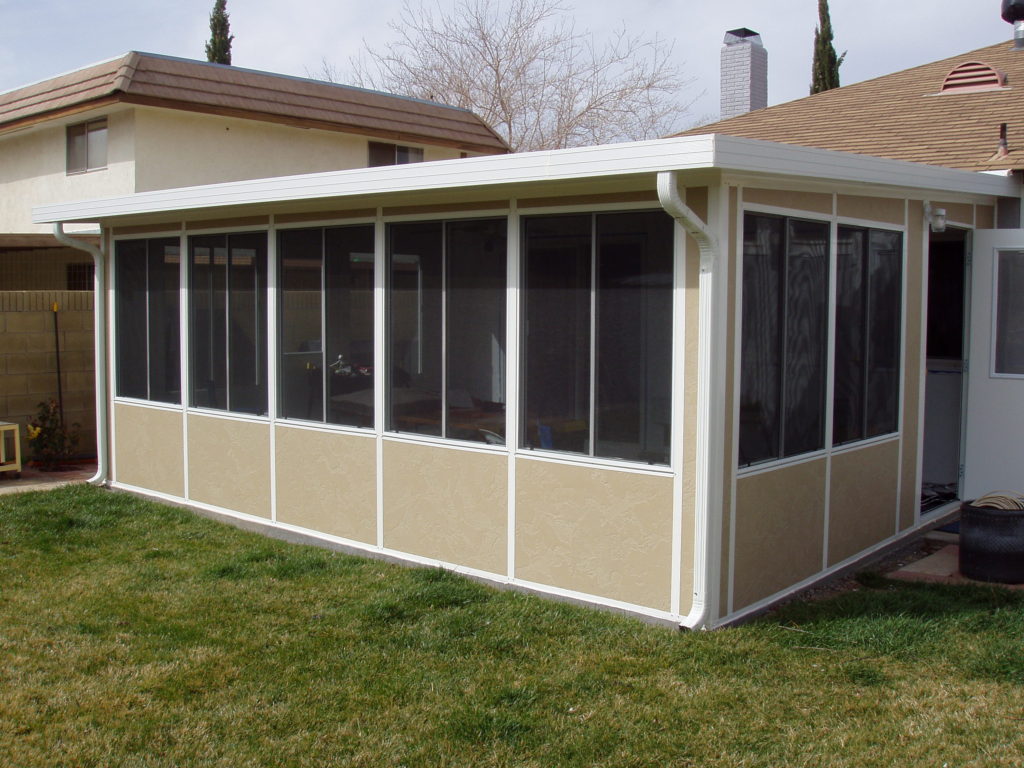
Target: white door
[(994, 445)]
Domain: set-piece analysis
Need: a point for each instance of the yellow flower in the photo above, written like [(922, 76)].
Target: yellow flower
[(33, 431)]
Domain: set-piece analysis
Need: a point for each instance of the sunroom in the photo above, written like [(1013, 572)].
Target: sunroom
[(646, 376)]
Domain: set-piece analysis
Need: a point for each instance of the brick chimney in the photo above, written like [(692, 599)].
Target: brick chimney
[(744, 73)]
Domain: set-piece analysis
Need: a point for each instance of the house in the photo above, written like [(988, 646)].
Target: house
[(681, 378), (142, 122)]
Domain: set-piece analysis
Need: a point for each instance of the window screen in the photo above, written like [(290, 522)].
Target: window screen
[(785, 328), (1009, 330)]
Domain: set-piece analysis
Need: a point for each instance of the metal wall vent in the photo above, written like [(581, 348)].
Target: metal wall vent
[(973, 76)]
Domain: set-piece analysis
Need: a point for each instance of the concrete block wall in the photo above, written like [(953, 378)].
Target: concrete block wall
[(28, 360)]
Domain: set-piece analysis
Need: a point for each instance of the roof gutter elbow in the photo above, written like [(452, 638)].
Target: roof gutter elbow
[(100, 341)]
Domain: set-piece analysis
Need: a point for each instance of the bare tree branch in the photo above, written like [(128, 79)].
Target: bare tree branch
[(525, 69)]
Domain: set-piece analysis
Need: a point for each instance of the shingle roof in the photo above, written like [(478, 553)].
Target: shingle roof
[(904, 116), (163, 81)]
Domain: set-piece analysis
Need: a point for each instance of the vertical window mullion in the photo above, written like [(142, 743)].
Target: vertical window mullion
[(866, 354), (147, 287), (592, 415), (227, 322), (444, 330), (324, 370), (783, 337)]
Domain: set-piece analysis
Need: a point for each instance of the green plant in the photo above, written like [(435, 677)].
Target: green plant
[(50, 439)]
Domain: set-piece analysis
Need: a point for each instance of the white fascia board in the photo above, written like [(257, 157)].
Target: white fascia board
[(682, 153), (750, 155)]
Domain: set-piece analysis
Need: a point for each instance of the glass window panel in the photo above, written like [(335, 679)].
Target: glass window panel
[(301, 346), (850, 341), (761, 355), (208, 304), (76, 145), (247, 308), (634, 336), (885, 287), (349, 306), (806, 324), (131, 352), (415, 327), (475, 329), (164, 320), (96, 144), (1010, 313), (381, 153), (557, 333)]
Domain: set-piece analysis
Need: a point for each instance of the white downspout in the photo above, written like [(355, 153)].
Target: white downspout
[(708, 522), (100, 339)]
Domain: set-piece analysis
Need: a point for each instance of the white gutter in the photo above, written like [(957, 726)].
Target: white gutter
[(100, 313), (708, 515)]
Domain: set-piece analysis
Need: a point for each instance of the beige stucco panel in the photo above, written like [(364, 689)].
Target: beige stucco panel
[(177, 148), (327, 482), (447, 504), (910, 493), (985, 216), (780, 525), (598, 531), (886, 210), (149, 449), (813, 202), (734, 263), (229, 464), (862, 499)]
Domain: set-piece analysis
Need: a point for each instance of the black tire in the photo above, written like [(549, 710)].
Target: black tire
[(992, 544)]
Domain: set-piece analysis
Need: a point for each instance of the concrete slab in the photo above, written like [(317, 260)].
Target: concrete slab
[(942, 567), (34, 479)]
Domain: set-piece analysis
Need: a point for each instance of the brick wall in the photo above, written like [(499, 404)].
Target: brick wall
[(28, 359)]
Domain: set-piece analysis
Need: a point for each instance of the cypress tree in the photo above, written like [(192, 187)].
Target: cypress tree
[(218, 50), (825, 66)]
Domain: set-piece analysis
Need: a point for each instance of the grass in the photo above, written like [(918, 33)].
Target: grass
[(134, 634)]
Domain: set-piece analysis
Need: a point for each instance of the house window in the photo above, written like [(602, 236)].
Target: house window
[(146, 311), (326, 310), (785, 337), (87, 146), (869, 279), (382, 153), (446, 329), (597, 316), (228, 322), (1009, 330)]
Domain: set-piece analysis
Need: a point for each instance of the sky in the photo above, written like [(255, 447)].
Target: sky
[(43, 38)]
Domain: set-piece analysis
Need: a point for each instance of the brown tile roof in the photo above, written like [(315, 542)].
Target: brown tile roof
[(903, 116), (163, 81)]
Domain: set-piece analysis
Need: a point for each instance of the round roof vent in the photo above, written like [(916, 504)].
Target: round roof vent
[(973, 76)]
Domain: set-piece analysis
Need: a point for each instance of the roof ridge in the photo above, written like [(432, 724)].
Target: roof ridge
[(123, 79)]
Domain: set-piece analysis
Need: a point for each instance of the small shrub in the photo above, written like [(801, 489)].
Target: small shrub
[(52, 442)]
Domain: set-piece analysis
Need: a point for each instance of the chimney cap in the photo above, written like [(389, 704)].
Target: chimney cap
[(742, 35)]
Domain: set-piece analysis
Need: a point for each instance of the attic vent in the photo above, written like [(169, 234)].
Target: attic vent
[(973, 76)]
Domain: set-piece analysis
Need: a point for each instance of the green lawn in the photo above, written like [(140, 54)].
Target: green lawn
[(134, 634)]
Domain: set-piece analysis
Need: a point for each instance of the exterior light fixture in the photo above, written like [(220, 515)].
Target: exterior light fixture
[(936, 218)]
